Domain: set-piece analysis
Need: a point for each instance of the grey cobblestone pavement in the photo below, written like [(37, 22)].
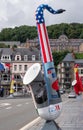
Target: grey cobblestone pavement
[(71, 117)]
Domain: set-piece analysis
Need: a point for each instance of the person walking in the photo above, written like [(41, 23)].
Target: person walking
[(2, 91)]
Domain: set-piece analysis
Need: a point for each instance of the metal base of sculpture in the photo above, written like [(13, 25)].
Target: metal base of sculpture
[(51, 125)]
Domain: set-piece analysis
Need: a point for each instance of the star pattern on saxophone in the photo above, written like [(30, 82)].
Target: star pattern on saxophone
[(39, 12)]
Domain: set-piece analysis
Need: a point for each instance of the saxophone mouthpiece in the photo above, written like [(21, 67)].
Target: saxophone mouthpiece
[(60, 11)]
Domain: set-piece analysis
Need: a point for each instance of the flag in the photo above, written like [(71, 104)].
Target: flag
[(7, 65), (1, 67), (12, 85), (78, 87), (4, 66)]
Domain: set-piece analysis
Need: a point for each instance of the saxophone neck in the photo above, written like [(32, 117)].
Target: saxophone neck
[(40, 11)]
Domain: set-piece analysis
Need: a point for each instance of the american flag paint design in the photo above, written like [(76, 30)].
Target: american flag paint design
[(47, 58), (44, 43), (43, 36), (41, 8)]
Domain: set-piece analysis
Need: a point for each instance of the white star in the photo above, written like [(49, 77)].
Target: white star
[(54, 12), (42, 20), (50, 9), (38, 20), (39, 16), (36, 12), (41, 12)]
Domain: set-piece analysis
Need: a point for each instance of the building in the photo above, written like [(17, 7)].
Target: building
[(20, 59), (65, 70), (11, 43), (60, 44), (32, 43), (63, 43)]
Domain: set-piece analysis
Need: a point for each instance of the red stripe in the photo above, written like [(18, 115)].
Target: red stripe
[(7, 65), (47, 41), (42, 44)]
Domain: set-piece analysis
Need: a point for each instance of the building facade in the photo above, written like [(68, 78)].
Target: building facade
[(11, 43), (20, 59), (60, 44), (65, 70)]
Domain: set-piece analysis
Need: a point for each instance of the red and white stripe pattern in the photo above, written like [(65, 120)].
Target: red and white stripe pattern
[(43, 36), (44, 43)]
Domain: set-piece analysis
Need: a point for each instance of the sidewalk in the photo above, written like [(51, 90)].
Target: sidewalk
[(15, 96), (71, 117)]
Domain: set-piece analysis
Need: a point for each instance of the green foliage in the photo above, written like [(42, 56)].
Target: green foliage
[(2, 45), (21, 33), (79, 55), (18, 33), (73, 30), (58, 57)]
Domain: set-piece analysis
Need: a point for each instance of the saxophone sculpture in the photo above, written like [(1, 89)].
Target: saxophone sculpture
[(45, 90)]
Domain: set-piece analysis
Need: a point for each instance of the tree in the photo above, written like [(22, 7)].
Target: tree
[(21, 33), (79, 55), (58, 57)]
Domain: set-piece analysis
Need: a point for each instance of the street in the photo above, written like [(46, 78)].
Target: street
[(16, 112), (71, 117), (20, 112)]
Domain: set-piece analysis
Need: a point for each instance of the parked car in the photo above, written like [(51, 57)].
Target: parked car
[(62, 90), (72, 95)]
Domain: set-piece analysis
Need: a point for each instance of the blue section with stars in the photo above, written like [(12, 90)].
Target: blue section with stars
[(39, 12)]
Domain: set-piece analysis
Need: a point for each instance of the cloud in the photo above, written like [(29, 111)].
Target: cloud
[(22, 12)]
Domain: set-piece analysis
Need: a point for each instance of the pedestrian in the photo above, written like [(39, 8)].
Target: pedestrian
[(2, 91)]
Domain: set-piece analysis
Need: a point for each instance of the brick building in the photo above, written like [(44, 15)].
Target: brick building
[(60, 44), (65, 70)]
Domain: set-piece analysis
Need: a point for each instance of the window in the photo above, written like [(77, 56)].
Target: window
[(17, 77), (81, 71), (25, 67), (66, 64), (18, 57), (67, 69), (15, 67), (59, 70), (33, 57), (5, 77), (66, 75), (25, 57), (67, 80), (5, 57), (20, 67)]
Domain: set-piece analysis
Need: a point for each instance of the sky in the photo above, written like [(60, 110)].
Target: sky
[(22, 12)]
